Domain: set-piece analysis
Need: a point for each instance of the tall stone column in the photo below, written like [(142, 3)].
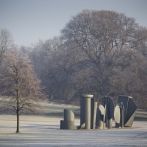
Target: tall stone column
[(82, 112), (93, 113), (87, 113)]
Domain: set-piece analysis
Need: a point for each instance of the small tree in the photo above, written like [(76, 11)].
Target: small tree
[(19, 81)]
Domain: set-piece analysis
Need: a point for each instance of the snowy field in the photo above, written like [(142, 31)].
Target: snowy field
[(43, 131)]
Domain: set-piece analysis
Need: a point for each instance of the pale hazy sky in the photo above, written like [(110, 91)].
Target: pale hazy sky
[(31, 20)]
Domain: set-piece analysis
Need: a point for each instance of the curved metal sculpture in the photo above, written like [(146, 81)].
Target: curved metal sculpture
[(127, 111)]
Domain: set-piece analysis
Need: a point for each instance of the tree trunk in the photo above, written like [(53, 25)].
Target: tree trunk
[(17, 111), (17, 130)]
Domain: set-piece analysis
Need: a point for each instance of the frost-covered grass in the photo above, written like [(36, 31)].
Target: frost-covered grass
[(43, 131)]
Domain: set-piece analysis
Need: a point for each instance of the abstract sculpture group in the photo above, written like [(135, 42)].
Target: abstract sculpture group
[(100, 116)]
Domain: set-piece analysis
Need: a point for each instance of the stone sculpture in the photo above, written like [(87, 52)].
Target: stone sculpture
[(100, 115)]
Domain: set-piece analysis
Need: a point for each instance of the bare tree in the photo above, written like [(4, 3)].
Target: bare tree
[(19, 81), (100, 52), (103, 36)]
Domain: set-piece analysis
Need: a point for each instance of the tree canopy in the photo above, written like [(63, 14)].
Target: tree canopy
[(99, 52)]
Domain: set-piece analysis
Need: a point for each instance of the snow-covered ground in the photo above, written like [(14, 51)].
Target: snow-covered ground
[(43, 131)]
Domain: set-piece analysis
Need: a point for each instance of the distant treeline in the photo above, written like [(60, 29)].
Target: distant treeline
[(98, 52)]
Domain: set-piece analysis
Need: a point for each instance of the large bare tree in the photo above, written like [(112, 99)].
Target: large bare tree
[(104, 37), (100, 52)]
